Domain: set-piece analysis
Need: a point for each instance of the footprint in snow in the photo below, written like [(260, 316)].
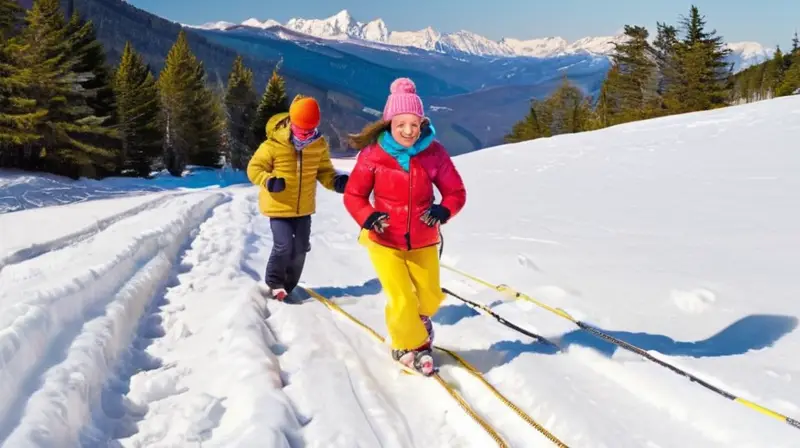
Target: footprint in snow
[(695, 301)]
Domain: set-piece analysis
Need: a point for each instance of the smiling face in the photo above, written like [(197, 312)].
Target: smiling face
[(406, 129)]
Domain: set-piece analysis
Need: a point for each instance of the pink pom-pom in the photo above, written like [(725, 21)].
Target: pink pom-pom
[(403, 85)]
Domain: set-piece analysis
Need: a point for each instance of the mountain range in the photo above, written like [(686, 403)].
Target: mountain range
[(473, 88), (343, 27)]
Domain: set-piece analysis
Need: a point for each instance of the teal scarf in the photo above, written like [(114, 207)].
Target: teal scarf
[(402, 154)]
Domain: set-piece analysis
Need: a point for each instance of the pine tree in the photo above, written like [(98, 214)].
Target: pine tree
[(790, 81), (773, 73), (137, 113), (606, 106), (175, 86), (18, 114), (795, 45), (209, 124), (273, 101), (665, 46), (192, 116), (91, 67), (567, 110), (69, 127), (704, 73), (241, 106), (95, 80), (530, 127), (637, 86), (10, 18)]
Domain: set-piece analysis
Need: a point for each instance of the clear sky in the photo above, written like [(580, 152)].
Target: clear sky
[(769, 22)]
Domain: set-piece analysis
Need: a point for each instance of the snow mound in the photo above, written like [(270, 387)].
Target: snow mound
[(694, 301)]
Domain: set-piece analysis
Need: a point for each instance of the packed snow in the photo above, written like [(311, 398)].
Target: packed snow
[(21, 190), (678, 235)]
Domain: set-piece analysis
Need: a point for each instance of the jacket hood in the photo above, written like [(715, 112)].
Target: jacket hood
[(276, 129)]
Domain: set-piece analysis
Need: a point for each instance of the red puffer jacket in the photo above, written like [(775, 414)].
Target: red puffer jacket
[(404, 196)]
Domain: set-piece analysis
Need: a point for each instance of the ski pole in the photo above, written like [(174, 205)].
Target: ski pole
[(504, 289), (485, 309)]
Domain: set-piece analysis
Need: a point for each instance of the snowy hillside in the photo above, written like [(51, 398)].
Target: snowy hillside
[(342, 26), (678, 235)]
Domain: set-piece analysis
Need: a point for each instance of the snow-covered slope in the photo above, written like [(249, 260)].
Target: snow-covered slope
[(678, 235), (342, 26)]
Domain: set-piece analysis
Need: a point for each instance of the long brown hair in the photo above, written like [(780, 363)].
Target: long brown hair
[(372, 131), (369, 134)]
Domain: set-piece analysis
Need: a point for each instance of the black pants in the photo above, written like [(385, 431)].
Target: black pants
[(290, 243)]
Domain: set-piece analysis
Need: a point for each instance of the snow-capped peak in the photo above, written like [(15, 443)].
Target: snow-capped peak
[(255, 23), (221, 25), (746, 54), (342, 26)]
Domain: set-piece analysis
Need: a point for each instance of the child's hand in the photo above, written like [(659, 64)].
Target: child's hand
[(437, 214), (377, 221), (276, 184), (340, 183)]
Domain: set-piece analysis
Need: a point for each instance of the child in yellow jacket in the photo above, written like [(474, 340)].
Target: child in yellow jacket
[(287, 167)]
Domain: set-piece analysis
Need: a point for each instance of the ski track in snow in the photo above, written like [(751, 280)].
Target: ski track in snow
[(35, 250), (276, 362), (68, 315)]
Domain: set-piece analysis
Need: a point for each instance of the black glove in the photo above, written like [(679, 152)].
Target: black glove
[(340, 182), (377, 221), (437, 214), (276, 184)]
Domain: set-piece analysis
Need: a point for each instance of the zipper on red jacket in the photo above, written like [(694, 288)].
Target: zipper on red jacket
[(300, 180), (410, 204)]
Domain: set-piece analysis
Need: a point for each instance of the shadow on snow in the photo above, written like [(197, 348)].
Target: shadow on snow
[(369, 288), (754, 332)]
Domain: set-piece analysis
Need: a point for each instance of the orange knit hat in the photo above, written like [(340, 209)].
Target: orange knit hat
[(304, 113)]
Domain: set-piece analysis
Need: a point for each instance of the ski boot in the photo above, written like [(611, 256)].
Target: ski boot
[(279, 294), (420, 359)]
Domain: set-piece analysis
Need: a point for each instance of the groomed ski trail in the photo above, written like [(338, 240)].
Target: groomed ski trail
[(233, 369), (73, 231), (67, 316)]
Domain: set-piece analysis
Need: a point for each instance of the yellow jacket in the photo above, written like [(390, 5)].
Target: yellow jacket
[(277, 157)]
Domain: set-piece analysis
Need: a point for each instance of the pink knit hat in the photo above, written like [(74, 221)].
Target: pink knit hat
[(403, 100)]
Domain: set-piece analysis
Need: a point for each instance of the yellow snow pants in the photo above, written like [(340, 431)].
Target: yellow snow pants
[(410, 280)]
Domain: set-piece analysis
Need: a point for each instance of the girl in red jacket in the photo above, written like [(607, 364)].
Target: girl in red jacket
[(400, 162)]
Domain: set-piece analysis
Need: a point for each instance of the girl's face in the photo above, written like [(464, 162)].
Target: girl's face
[(406, 129)]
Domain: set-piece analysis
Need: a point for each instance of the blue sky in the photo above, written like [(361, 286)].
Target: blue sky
[(769, 22)]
